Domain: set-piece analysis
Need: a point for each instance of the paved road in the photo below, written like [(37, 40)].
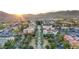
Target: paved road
[(39, 37)]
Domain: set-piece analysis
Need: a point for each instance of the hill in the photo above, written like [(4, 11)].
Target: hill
[(5, 17)]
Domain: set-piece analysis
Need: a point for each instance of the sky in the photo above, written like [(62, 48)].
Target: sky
[(37, 6)]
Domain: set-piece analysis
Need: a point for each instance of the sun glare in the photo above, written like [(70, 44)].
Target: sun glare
[(19, 15)]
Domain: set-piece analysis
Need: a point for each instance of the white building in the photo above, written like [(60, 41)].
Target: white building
[(29, 30), (49, 30)]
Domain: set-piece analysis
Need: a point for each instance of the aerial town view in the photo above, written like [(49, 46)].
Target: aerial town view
[(51, 30), (39, 29)]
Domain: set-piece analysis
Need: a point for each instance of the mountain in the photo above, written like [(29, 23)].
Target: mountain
[(66, 14), (58, 14), (6, 17)]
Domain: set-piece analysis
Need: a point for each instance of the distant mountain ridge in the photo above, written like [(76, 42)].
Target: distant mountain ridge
[(6, 16), (59, 14)]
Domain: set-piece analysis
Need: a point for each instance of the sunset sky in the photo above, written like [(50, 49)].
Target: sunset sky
[(37, 6)]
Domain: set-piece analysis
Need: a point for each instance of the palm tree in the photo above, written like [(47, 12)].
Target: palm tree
[(66, 44), (10, 44)]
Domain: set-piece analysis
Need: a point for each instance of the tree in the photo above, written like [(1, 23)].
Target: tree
[(25, 43), (10, 44), (30, 47), (50, 41), (53, 45), (47, 47), (66, 44), (17, 38), (24, 46), (16, 31), (29, 37), (48, 36), (38, 22)]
